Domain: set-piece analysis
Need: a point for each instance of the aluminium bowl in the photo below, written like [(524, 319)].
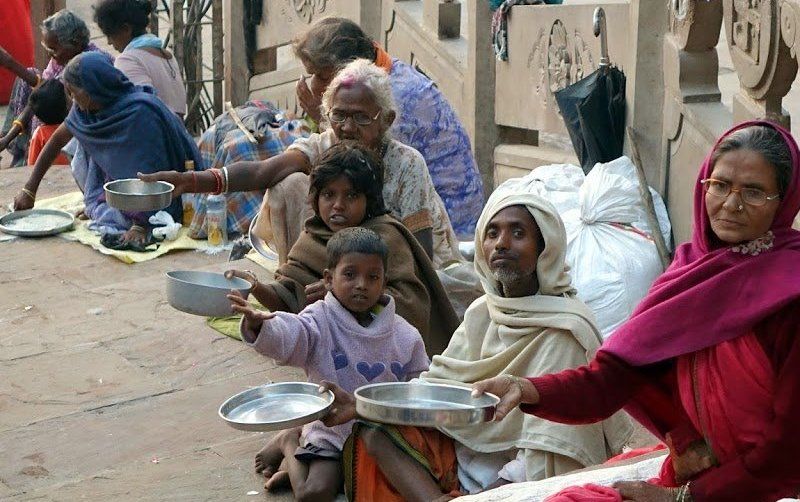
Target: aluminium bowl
[(137, 195), (203, 293), (276, 406), (423, 404)]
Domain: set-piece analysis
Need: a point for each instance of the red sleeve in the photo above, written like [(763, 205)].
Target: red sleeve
[(771, 470), (587, 394)]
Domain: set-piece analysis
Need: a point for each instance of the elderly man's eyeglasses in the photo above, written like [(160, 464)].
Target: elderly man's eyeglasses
[(360, 118), (750, 196)]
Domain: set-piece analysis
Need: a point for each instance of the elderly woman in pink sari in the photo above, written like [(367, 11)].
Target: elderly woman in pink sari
[(710, 360)]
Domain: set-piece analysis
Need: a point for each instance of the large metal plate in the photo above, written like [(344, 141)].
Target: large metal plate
[(137, 195), (261, 247), (203, 293), (423, 404), (24, 223), (276, 406)]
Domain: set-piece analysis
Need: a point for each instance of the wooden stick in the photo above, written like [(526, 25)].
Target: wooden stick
[(235, 116), (647, 199)]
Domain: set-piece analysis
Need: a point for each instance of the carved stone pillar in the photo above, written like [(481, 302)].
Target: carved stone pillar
[(762, 59), (693, 112), (691, 64)]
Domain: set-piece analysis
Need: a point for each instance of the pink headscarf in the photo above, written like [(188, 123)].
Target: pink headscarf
[(710, 294)]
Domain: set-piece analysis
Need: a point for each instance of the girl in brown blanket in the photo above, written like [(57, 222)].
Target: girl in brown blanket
[(346, 192)]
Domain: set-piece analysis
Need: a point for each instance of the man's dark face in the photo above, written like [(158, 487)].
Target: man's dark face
[(511, 247)]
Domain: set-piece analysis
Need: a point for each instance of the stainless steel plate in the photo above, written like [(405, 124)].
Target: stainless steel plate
[(276, 406), (423, 404), (137, 195), (203, 293), (259, 244), (51, 222)]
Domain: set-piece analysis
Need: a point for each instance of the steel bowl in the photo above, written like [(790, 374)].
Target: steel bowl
[(276, 406), (9, 222), (137, 195), (203, 293), (423, 404)]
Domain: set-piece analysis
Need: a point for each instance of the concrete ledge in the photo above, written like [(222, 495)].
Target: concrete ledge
[(513, 161)]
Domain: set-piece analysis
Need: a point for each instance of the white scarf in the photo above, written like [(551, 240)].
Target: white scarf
[(528, 336)]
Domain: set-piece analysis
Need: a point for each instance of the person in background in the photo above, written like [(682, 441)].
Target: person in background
[(425, 121), (123, 129), (50, 105), (64, 36), (142, 57)]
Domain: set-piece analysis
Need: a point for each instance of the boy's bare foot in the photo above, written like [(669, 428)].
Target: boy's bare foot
[(270, 456), (278, 480)]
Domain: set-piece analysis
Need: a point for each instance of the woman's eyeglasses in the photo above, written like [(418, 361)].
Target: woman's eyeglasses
[(361, 119), (750, 196)]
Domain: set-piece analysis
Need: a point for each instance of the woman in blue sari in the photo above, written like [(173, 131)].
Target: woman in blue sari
[(124, 130)]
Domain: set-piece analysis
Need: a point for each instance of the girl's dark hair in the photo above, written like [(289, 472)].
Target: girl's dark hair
[(767, 142), (49, 102), (111, 15), (332, 43), (358, 164), (356, 240)]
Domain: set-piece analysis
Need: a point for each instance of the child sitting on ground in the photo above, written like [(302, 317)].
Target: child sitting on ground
[(346, 191), (50, 105), (352, 337)]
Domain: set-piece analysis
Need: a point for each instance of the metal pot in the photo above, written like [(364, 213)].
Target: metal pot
[(423, 404), (137, 195), (203, 293)]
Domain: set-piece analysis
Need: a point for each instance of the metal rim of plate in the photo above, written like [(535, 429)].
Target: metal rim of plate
[(242, 398), (470, 412), (259, 244), (16, 215)]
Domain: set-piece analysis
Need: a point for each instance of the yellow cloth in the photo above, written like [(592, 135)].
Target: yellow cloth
[(229, 326), (73, 202), (527, 336)]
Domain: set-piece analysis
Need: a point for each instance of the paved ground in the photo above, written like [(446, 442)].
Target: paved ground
[(106, 392)]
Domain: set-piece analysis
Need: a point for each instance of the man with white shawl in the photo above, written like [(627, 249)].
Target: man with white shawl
[(528, 323)]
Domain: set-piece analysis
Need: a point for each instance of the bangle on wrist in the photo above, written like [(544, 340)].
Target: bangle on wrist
[(19, 123), (225, 173), (217, 181), (683, 493), (253, 279), (138, 228), (29, 193), (515, 380)]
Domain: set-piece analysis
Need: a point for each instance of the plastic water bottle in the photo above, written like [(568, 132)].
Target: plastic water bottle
[(187, 199), (217, 220)]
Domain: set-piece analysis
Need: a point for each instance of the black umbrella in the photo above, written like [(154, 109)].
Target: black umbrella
[(594, 108)]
